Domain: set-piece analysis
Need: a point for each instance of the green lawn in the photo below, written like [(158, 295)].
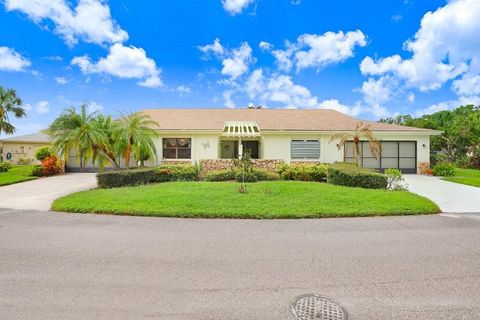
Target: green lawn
[(16, 174), (264, 200), (466, 176)]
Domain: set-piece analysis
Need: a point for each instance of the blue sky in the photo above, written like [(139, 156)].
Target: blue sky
[(370, 58)]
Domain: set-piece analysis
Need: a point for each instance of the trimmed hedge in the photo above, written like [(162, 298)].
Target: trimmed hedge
[(247, 177), (177, 172), (303, 172), (220, 175), (350, 175), (135, 177), (265, 175), (125, 178)]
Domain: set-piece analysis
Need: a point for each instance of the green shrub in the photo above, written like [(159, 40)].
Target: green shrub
[(265, 175), (303, 171), (350, 175), (125, 178), (37, 171), (177, 172), (220, 175), (248, 176), (43, 152), (5, 166), (395, 180), (444, 169), (463, 162)]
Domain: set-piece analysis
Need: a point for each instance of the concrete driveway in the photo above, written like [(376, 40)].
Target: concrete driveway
[(449, 196), (39, 194), (83, 266)]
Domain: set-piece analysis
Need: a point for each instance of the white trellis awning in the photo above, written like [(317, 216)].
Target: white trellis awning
[(241, 129)]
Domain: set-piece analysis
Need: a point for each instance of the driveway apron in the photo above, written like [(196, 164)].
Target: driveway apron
[(39, 194)]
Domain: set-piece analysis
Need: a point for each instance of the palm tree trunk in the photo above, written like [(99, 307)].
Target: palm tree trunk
[(127, 155), (81, 162)]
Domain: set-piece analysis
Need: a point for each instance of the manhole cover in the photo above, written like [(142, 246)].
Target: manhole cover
[(316, 307)]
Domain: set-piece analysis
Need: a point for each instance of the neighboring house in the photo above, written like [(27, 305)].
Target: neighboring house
[(291, 135), (22, 148)]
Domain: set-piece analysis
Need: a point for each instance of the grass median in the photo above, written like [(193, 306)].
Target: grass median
[(264, 200), (469, 177), (16, 174)]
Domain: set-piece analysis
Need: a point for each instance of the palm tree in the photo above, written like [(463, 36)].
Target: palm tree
[(82, 132), (103, 148), (135, 133), (9, 103), (360, 131)]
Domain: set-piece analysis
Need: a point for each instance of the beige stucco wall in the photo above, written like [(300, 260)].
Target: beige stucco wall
[(274, 145), (28, 151)]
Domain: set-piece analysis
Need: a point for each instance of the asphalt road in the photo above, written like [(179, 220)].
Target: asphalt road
[(72, 266)]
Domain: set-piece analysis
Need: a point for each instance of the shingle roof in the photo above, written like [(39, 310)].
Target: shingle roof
[(267, 120), (38, 137)]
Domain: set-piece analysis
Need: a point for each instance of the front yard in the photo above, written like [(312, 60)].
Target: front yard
[(469, 177), (264, 200), (16, 174)]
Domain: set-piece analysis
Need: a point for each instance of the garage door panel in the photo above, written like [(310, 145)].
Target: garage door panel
[(388, 163), (389, 149), (407, 163), (371, 163), (407, 149)]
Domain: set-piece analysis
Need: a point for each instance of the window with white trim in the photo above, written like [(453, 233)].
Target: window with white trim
[(177, 148), (305, 149)]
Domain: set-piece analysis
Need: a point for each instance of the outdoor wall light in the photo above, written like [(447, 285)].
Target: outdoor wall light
[(424, 145)]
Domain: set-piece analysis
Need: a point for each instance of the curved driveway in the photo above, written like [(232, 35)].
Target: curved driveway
[(39, 194), (449, 196)]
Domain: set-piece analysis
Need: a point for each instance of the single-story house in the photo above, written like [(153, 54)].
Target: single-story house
[(290, 135), (22, 148)]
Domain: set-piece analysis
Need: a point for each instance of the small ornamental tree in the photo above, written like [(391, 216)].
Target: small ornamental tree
[(42, 153), (51, 166)]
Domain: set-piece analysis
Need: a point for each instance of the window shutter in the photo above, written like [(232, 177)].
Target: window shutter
[(305, 149)]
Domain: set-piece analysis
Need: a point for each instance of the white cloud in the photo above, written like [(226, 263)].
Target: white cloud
[(235, 62), (236, 6), (183, 89), (93, 106), (411, 97), (445, 47), (282, 91), (227, 96), (216, 48), (448, 105), (89, 21), (42, 107), (396, 18), (378, 91), (265, 46), (123, 62), (283, 57), (318, 51), (10, 60), (329, 48), (467, 85), (238, 61), (61, 80)]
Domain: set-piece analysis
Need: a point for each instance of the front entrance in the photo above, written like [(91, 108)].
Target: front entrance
[(230, 148)]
